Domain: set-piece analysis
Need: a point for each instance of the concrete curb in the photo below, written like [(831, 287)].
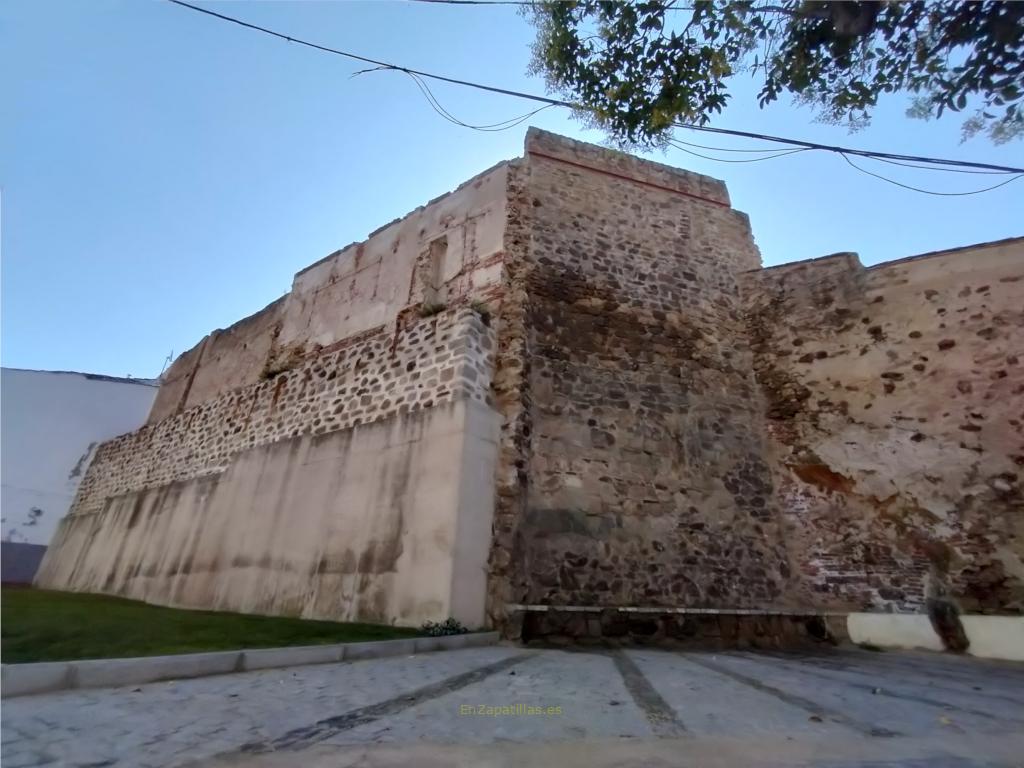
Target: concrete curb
[(49, 676)]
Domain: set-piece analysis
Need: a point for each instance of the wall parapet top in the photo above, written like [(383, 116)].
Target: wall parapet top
[(613, 162), (353, 246)]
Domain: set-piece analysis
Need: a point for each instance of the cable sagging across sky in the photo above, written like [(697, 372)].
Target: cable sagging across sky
[(418, 76)]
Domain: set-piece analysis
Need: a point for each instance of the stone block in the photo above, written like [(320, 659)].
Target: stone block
[(101, 673), (270, 658), (427, 644), (379, 649), (471, 640), (26, 679), (727, 627)]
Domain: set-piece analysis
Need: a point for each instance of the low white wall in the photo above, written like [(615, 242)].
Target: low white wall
[(995, 637), (991, 637), (893, 630)]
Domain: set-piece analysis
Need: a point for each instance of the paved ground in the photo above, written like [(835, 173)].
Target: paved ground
[(473, 707)]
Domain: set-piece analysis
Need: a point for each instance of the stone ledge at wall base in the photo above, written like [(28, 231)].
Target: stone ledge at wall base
[(696, 628), (52, 676), (989, 637)]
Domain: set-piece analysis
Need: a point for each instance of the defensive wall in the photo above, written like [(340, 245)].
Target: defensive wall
[(566, 400)]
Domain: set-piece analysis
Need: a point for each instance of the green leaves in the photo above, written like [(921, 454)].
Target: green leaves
[(640, 67)]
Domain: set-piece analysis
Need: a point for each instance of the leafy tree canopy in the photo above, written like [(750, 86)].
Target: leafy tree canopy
[(638, 68)]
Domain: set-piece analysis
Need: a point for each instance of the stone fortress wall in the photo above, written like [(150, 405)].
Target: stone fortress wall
[(570, 383), (330, 456), (895, 407), (448, 252), (646, 480)]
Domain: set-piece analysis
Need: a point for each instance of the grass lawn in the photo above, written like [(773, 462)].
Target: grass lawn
[(40, 625)]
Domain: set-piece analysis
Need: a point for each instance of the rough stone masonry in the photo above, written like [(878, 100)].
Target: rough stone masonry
[(570, 385)]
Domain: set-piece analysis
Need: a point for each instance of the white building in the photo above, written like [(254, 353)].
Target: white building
[(50, 424)]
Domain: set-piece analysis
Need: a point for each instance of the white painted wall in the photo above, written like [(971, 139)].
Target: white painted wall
[(389, 521), (995, 637), (50, 424), (894, 630), (368, 284), (990, 637)]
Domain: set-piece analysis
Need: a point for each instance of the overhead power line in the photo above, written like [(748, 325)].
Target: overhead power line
[(418, 76), (504, 125), (847, 150), (476, 2), (777, 153), (725, 149), (381, 64), (678, 145), (934, 168)]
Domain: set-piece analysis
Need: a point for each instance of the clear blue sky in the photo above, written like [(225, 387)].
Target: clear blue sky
[(165, 173)]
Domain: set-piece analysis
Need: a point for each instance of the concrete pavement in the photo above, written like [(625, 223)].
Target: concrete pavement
[(503, 705)]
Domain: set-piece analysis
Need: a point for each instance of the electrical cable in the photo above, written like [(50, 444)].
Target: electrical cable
[(475, 2), (675, 144), (929, 191), (783, 153), (561, 103), (724, 149), (837, 149), (933, 168), (436, 105), (381, 64)]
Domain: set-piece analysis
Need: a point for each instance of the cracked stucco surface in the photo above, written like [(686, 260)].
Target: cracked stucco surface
[(896, 403)]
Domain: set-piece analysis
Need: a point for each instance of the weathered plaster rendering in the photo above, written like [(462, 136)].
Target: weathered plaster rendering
[(334, 489), (569, 385), (896, 399), (446, 253)]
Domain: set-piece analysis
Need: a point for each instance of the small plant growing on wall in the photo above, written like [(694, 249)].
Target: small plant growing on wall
[(284, 362), (446, 627), (483, 310), (429, 310)]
